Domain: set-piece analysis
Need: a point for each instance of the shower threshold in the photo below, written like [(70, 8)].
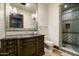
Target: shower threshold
[(73, 50)]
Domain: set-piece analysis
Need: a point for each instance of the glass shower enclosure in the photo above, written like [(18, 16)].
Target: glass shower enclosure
[(70, 26)]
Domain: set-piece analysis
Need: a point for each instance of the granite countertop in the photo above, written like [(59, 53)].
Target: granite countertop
[(22, 36)]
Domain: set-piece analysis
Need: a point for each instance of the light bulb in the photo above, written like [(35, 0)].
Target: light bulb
[(10, 9), (65, 6), (14, 10)]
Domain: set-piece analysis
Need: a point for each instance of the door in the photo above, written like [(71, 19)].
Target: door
[(70, 20)]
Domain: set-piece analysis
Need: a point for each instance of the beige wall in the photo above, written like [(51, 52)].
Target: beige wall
[(2, 24), (42, 18), (48, 19), (42, 14), (53, 24)]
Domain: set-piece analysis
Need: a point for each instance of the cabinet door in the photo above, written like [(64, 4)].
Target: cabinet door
[(28, 47), (9, 47), (3, 48), (40, 45), (29, 50)]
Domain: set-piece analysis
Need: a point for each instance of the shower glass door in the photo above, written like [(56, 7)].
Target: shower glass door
[(70, 26)]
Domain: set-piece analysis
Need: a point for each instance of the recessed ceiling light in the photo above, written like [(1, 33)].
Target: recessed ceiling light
[(27, 4), (65, 6)]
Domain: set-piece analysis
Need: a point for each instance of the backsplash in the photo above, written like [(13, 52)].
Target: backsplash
[(19, 33)]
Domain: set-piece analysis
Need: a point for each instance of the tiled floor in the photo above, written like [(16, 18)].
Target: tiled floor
[(55, 53)]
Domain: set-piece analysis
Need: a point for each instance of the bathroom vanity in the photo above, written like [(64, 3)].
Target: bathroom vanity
[(19, 31), (27, 45)]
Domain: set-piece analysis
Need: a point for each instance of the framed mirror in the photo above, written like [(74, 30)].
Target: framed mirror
[(20, 16)]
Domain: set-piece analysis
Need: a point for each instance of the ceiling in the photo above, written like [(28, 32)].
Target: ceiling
[(32, 7)]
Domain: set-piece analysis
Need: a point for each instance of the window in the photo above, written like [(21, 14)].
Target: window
[(16, 21)]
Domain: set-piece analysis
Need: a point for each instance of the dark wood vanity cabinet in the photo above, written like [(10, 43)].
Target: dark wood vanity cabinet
[(27, 46)]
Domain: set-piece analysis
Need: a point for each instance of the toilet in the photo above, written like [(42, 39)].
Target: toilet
[(49, 44)]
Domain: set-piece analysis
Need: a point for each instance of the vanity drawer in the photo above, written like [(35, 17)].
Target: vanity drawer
[(28, 40), (10, 42)]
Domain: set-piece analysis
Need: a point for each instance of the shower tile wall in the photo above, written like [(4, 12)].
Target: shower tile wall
[(70, 20)]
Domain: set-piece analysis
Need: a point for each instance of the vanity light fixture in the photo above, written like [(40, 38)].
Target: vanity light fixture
[(14, 10)]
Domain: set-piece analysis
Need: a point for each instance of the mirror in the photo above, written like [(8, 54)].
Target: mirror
[(21, 16)]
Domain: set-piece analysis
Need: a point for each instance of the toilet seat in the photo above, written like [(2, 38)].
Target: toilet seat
[(49, 43)]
